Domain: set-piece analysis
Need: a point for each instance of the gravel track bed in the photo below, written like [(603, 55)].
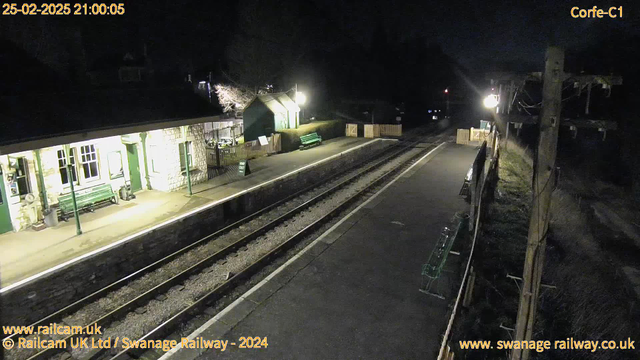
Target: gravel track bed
[(147, 317), (185, 329), (113, 300)]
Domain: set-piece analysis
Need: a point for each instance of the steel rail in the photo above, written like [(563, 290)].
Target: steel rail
[(180, 277), (59, 314), (250, 270)]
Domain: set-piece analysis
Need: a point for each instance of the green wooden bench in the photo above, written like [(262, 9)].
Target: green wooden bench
[(433, 268), (310, 140), (86, 199)]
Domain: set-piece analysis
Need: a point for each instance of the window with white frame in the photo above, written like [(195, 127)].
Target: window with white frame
[(183, 167), (89, 158), (62, 165)]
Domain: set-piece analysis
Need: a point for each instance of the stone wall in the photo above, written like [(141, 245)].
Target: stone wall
[(164, 145), (38, 298)]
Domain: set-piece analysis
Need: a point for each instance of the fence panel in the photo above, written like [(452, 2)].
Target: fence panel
[(390, 130), (371, 131), (463, 137)]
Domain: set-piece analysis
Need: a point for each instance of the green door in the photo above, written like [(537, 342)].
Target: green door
[(5, 217), (134, 167)]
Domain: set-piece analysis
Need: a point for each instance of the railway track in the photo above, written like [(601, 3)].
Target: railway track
[(251, 245)]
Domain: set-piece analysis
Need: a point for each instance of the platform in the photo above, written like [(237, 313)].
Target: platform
[(27, 253), (353, 293)]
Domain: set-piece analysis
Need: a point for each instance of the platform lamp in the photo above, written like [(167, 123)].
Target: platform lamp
[(70, 172), (490, 101), (300, 99), (446, 94)]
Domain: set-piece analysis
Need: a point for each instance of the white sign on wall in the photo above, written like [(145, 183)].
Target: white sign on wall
[(263, 140)]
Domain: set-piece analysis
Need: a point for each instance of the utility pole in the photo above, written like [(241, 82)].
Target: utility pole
[(543, 184)]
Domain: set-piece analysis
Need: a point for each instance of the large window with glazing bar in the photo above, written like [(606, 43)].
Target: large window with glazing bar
[(89, 158), (62, 165)]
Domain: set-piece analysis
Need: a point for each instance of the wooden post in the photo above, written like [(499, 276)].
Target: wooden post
[(512, 89), (544, 168), (586, 107), (506, 138), (217, 156)]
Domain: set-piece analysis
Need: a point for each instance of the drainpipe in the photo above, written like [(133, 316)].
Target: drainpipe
[(43, 191), (73, 193), (143, 137)]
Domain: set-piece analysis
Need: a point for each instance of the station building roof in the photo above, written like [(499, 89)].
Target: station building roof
[(39, 120), (277, 102)]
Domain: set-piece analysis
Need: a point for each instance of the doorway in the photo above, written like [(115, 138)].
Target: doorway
[(5, 217), (134, 167)]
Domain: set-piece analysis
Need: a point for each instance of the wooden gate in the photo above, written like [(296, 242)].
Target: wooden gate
[(351, 130)]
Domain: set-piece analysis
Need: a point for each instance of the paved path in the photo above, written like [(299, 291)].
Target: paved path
[(353, 294), (29, 252)]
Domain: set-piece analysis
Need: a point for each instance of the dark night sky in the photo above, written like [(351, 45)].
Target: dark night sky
[(188, 35), (475, 32)]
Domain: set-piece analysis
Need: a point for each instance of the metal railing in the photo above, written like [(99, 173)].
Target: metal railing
[(482, 186)]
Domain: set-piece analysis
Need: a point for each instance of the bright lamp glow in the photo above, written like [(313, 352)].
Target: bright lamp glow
[(300, 98), (491, 101)]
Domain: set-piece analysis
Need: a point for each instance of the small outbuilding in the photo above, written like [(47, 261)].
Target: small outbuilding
[(269, 113)]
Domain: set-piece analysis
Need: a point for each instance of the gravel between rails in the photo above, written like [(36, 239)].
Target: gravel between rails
[(147, 317), (154, 312), (185, 329)]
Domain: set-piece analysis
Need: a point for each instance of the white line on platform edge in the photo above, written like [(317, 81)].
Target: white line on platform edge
[(179, 217), (242, 298)]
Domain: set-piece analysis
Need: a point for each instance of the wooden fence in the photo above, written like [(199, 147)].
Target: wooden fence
[(371, 131), (374, 130), (390, 130), (249, 150)]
